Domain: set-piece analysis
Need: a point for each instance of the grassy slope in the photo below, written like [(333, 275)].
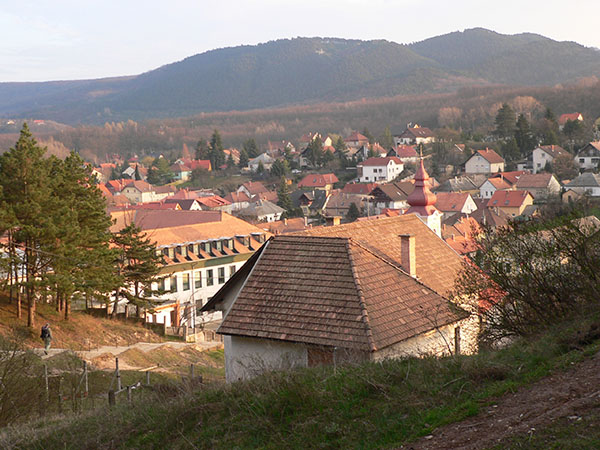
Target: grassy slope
[(80, 332), (373, 405)]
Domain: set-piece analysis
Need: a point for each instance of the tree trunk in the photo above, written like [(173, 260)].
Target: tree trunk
[(30, 307), (67, 307)]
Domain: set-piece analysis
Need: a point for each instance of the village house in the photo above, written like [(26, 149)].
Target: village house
[(544, 155), (368, 290), (405, 153), (414, 135), (391, 196), (588, 157), (540, 185), (587, 183), (261, 211), (324, 181), (201, 251), (142, 192), (339, 203), (252, 188), (451, 203), (573, 117), (238, 200), (484, 161), (264, 159), (493, 184), (359, 188), (512, 203), (285, 226), (379, 169), (468, 184), (356, 140)]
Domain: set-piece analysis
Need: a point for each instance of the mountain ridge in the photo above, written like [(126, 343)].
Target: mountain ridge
[(305, 70)]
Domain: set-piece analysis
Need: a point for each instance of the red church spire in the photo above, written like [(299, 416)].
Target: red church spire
[(421, 200)]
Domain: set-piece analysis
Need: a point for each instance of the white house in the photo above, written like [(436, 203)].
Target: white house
[(545, 154), (356, 292), (588, 157), (201, 251), (484, 161), (451, 203), (379, 169), (586, 183), (491, 185), (266, 160), (414, 135)]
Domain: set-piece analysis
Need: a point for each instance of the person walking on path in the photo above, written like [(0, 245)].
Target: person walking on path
[(46, 337)]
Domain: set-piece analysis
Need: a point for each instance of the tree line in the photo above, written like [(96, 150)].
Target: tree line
[(57, 239)]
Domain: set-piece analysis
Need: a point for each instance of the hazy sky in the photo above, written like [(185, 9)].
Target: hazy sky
[(75, 39)]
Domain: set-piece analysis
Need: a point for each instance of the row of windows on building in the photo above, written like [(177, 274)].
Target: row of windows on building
[(197, 279), (211, 245)]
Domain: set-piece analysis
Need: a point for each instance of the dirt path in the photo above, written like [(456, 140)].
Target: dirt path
[(117, 350), (568, 395)]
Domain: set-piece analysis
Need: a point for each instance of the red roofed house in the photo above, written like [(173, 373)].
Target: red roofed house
[(415, 135), (252, 188), (359, 188), (406, 153), (356, 140), (323, 181), (493, 184), (364, 291), (379, 169), (588, 157), (451, 203), (484, 161), (512, 203), (545, 154), (564, 118)]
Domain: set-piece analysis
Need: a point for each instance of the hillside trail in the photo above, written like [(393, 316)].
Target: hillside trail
[(568, 395), (117, 350)]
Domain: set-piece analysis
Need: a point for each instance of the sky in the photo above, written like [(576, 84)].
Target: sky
[(42, 40)]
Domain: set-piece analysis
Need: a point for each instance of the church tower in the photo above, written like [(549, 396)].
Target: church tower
[(422, 201)]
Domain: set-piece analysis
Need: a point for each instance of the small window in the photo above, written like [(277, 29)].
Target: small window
[(581, 160), (210, 280), (161, 285), (186, 281), (173, 283), (232, 270), (198, 280), (221, 275)]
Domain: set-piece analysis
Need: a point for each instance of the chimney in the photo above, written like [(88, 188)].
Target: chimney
[(409, 257), (305, 221), (333, 221), (285, 221)]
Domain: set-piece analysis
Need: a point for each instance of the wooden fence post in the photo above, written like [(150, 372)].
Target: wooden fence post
[(118, 374), (128, 394), (85, 374), (111, 398), (147, 378), (59, 396)]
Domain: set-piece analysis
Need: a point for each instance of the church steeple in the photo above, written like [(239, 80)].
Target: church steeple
[(422, 201)]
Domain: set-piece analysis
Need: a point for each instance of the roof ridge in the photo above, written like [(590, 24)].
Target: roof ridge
[(361, 297)]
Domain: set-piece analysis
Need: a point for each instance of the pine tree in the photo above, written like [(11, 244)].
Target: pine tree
[(139, 264), (243, 158), (202, 150), (283, 196), (387, 140), (369, 136), (217, 155), (353, 212), (315, 151), (524, 136), (251, 148), (505, 122)]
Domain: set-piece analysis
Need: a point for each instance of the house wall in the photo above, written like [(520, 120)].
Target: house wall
[(380, 173), (487, 190), (438, 342), (248, 357), (477, 164), (540, 159)]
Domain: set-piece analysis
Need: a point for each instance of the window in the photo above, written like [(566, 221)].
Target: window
[(161, 285), (186, 281), (198, 280), (232, 270), (209, 277), (221, 275), (581, 160), (173, 283)]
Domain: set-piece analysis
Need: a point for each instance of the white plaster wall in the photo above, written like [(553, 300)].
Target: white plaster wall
[(486, 190), (477, 164), (248, 357), (437, 342)]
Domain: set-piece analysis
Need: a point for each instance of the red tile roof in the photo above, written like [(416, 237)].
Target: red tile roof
[(213, 201), (491, 156), (499, 183), (564, 118), (451, 201), (237, 197), (356, 137), (534, 180), (406, 151), (335, 292), (510, 177), (510, 199), (359, 188), (375, 161), (318, 180), (255, 187)]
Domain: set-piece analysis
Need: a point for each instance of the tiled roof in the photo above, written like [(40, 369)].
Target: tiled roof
[(534, 180), (499, 183), (237, 197), (510, 199), (451, 201), (285, 226), (437, 264), (185, 203), (417, 131), (269, 196), (214, 201), (261, 208), (255, 187), (564, 118), (510, 177), (585, 180), (396, 192), (356, 137), (375, 161), (490, 156), (318, 180), (405, 151), (335, 292), (208, 225), (359, 188), (553, 150)]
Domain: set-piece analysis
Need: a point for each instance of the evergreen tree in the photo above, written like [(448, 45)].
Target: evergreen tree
[(160, 172), (217, 155), (524, 136), (280, 168), (139, 264), (505, 122), (387, 140), (243, 158), (283, 196), (260, 169), (510, 150), (230, 161), (136, 175), (251, 148), (315, 151), (353, 212), (366, 133), (202, 150)]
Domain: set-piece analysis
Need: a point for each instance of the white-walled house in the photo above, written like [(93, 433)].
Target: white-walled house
[(201, 251), (588, 157), (545, 154), (484, 161), (363, 291), (379, 169), (491, 185), (586, 183)]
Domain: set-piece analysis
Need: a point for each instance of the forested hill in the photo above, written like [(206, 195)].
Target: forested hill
[(301, 70)]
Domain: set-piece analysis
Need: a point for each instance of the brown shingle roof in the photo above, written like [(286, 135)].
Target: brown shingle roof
[(451, 201), (511, 199), (318, 180), (437, 264), (491, 156), (534, 180), (335, 292)]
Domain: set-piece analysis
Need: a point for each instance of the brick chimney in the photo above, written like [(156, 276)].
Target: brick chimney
[(409, 256)]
